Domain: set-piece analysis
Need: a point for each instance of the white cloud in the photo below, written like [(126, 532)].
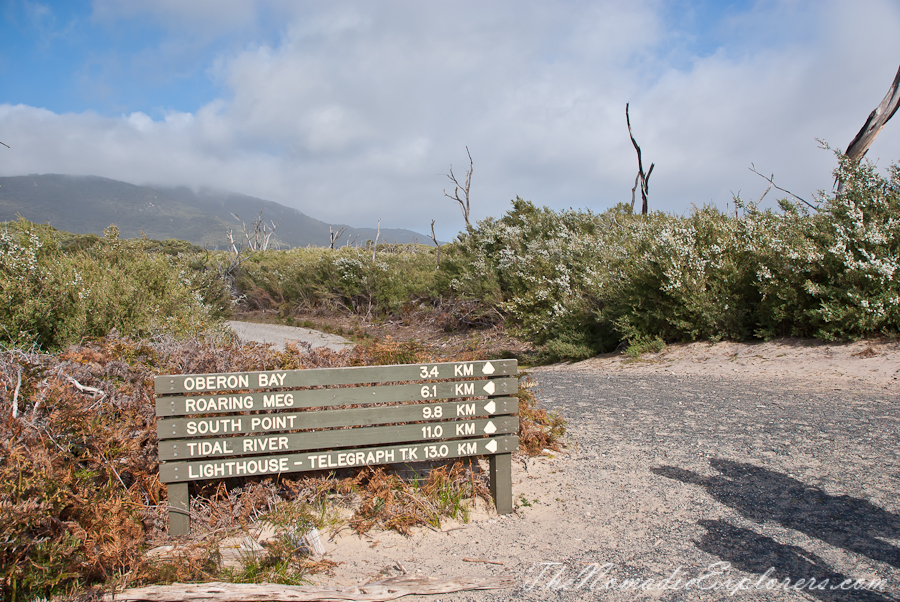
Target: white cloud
[(357, 109)]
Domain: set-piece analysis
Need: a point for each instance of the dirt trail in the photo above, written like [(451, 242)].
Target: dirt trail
[(862, 364), (279, 335), (713, 462)]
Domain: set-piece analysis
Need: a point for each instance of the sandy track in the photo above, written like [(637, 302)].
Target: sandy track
[(863, 364), (779, 459), (278, 335)]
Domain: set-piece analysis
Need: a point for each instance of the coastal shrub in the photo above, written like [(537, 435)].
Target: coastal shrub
[(686, 278), (537, 267), (858, 233), (579, 283), (366, 281), (52, 297)]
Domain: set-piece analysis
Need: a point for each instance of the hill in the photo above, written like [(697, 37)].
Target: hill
[(89, 204)]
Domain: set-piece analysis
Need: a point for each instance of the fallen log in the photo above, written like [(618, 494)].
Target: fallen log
[(377, 591)]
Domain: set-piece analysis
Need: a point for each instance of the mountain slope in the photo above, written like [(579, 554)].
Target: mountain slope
[(89, 204)]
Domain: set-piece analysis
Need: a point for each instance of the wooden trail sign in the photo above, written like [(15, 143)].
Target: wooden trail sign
[(213, 426)]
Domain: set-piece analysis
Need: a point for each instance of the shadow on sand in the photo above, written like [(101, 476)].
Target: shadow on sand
[(761, 495)]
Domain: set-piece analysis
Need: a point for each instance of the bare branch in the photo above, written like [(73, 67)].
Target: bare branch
[(226, 271), (229, 234), (377, 234), (6, 145), (259, 233), (637, 181), (436, 243), (376, 591), (771, 180), (463, 204), (335, 235), (15, 401), (84, 388), (876, 121), (642, 178), (765, 193)]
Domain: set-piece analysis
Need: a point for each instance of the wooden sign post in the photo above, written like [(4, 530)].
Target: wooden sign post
[(215, 426)]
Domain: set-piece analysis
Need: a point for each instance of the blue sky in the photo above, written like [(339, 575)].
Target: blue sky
[(353, 111)]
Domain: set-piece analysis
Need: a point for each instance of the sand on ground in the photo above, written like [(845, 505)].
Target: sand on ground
[(555, 502)]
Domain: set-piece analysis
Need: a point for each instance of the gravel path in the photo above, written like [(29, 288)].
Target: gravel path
[(278, 335), (667, 476)]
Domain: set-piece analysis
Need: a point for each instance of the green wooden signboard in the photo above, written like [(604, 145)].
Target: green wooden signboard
[(214, 426), (303, 398), (174, 428), (208, 383)]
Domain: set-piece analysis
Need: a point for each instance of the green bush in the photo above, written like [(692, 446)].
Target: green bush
[(348, 278), (53, 297), (858, 234), (538, 268), (687, 278), (579, 283)]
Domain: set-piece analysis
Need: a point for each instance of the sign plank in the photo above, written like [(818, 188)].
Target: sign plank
[(283, 400), (179, 472), (335, 438), (274, 379), (173, 428)]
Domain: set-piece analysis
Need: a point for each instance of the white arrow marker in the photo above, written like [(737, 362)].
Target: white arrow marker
[(490, 407), (488, 368), (489, 428), (489, 388), (491, 445)]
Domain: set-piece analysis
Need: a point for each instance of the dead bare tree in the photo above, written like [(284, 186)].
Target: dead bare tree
[(463, 204), (377, 234), (256, 238), (335, 235), (227, 267), (876, 121), (436, 243), (258, 234), (235, 247), (641, 178), (873, 125)]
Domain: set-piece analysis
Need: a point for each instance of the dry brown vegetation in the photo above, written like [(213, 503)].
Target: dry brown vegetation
[(446, 330), (80, 500)]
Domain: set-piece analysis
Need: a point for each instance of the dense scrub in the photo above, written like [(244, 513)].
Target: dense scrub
[(579, 283), (575, 283), (58, 289), (362, 280)]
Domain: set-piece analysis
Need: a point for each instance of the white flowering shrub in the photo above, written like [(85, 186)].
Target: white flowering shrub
[(674, 276), (579, 283), (50, 297), (857, 288), (539, 268)]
